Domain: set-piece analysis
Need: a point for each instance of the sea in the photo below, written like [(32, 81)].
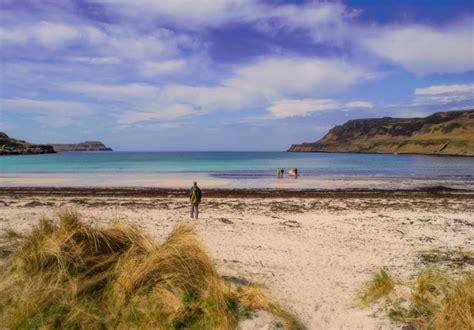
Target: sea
[(241, 165)]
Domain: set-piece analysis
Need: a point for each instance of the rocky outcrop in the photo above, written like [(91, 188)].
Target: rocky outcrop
[(83, 146), (9, 146), (443, 133)]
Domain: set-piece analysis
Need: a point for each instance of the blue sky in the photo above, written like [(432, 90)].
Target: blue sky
[(226, 74)]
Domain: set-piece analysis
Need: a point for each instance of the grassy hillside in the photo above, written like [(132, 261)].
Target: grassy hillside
[(443, 133), (9, 146)]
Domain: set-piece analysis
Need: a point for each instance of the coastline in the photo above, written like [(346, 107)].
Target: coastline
[(382, 153), (140, 192)]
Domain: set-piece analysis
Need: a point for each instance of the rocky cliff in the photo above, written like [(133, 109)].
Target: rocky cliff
[(443, 133), (9, 146), (83, 146)]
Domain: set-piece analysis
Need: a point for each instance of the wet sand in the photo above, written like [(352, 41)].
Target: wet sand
[(212, 181), (310, 249)]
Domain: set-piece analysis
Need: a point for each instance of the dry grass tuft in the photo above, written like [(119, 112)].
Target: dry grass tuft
[(380, 285), (70, 274), (437, 300)]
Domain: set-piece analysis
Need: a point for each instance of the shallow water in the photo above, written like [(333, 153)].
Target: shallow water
[(244, 165)]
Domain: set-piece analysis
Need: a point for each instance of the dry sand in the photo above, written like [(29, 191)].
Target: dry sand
[(310, 253)]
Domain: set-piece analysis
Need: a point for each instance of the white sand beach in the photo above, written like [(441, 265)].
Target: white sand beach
[(310, 254)]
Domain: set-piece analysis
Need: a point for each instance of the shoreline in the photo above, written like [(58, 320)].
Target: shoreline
[(207, 181), (425, 192)]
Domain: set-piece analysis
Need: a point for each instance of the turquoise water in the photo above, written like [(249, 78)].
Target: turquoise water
[(244, 165)]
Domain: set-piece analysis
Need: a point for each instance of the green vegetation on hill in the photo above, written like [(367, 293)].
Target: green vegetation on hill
[(70, 274), (83, 146), (443, 133), (9, 146)]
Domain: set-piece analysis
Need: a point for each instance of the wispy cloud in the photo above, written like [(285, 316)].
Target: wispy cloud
[(439, 94), (359, 104), (159, 68), (446, 89), (112, 92), (97, 60), (157, 113), (319, 17), (46, 106), (302, 107), (425, 50), (48, 112), (268, 80), (255, 85), (51, 34)]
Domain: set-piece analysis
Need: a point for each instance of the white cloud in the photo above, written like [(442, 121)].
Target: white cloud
[(54, 34), (359, 104), (114, 92), (209, 99), (45, 106), (325, 20), (303, 107), (155, 68), (276, 76), (51, 34), (48, 112), (254, 85), (260, 85), (446, 89), (425, 50), (189, 12), (170, 112), (108, 44), (13, 35), (96, 60), (137, 47), (444, 94), (269, 80)]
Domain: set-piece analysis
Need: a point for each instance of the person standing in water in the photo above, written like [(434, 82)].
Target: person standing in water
[(195, 198)]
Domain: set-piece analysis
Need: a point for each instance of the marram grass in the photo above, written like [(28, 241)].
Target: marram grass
[(437, 299), (380, 285), (70, 274)]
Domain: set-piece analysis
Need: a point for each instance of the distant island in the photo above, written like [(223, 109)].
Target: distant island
[(443, 133), (83, 146), (10, 146)]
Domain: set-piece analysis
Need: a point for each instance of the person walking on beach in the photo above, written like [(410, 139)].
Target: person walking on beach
[(195, 198)]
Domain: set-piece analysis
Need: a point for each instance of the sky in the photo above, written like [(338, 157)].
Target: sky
[(226, 74)]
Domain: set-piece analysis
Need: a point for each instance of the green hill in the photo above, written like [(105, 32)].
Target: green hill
[(443, 133)]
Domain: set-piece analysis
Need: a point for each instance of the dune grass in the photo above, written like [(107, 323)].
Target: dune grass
[(380, 285), (437, 299), (70, 274)]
